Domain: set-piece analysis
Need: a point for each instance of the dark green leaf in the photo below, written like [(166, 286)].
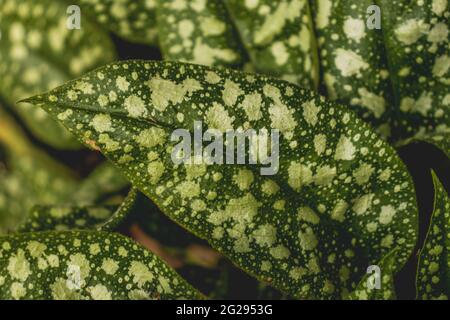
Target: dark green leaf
[(342, 198), (84, 265), (279, 37), (199, 32), (433, 280)]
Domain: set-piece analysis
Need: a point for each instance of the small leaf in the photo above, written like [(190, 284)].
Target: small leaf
[(133, 20), (199, 32), (433, 280), (386, 291), (38, 52), (84, 265), (279, 37), (341, 200)]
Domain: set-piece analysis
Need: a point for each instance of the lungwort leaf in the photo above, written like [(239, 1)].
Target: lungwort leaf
[(199, 32), (84, 265), (433, 281), (133, 20), (341, 200), (390, 60), (38, 52), (279, 37)]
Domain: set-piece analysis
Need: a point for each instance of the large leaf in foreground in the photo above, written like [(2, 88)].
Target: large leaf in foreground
[(39, 52), (199, 32), (84, 265), (341, 200), (134, 20), (279, 37), (433, 280)]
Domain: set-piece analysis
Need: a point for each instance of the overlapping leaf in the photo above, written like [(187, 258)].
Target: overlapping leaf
[(133, 20), (279, 37), (199, 32), (396, 75), (341, 200), (433, 281), (38, 52), (84, 265)]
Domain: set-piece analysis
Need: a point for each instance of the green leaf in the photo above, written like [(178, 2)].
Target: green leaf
[(416, 38), (38, 52), (133, 20), (386, 281), (342, 198), (433, 280), (353, 60), (279, 37), (84, 265), (199, 32), (396, 77), (105, 180)]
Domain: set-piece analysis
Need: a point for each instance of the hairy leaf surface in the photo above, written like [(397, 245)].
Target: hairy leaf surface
[(340, 201), (84, 265)]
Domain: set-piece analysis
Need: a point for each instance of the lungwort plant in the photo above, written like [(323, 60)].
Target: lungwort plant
[(346, 84)]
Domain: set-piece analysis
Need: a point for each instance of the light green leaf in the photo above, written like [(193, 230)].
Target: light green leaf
[(366, 289), (38, 52), (133, 20), (279, 37), (342, 198), (417, 38), (84, 265), (199, 32), (354, 61), (433, 280), (105, 180)]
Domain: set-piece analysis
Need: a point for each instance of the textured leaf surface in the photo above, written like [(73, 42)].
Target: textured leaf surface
[(133, 20), (279, 37), (84, 265), (341, 200), (38, 52), (433, 281), (387, 288), (199, 32), (354, 61), (396, 75)]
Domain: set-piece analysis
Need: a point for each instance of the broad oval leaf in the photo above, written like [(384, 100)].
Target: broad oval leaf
[(433, 279), (199, 32), (38, 52), (279, 37), (341, 200), (84, 265), (133, 20)]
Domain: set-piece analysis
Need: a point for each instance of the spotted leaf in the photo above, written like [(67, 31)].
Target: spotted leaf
[(340, 200), (433, 280), (394, 74), (81, 265), (199, 32), (38, 52), (353, 59), (279, 37), (133, 20)]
